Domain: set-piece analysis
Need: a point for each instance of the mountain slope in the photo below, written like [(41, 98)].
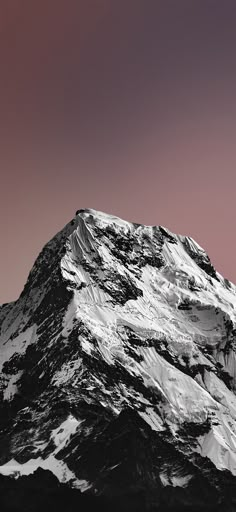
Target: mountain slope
[(120, 324)]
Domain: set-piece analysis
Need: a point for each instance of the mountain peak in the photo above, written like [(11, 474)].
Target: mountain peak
[(119, 322)]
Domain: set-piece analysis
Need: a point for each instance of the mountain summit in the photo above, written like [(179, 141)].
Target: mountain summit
[(118, 365)]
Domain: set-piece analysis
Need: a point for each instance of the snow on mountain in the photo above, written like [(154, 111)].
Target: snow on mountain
[(116, 317)]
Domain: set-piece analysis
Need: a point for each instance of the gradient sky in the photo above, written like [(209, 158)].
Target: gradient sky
[(126, 106)]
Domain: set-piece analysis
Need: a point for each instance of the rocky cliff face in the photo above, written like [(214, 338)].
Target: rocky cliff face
[(118, 366)]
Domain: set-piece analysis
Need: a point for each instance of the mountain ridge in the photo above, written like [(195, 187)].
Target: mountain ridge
[(117, 316)]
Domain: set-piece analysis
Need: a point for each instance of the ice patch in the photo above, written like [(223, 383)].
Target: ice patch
[(11, 388), (18, 345), (57, 467), (61, 435)]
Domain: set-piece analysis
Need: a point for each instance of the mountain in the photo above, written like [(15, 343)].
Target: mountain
[(118, 369)]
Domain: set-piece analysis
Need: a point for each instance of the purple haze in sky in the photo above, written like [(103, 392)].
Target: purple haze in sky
[(128, 107)]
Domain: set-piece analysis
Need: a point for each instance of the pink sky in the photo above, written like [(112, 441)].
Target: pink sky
[(126, 107)]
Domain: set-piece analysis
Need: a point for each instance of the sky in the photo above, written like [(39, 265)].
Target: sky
[(127, 107)]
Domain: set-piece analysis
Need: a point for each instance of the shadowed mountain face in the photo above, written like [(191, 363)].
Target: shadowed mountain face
[(118, 372)]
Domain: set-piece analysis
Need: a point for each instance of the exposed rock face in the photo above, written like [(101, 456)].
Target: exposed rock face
[(118, 366)]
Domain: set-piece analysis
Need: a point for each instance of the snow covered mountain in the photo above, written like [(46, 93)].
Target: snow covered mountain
[(118, 365)]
